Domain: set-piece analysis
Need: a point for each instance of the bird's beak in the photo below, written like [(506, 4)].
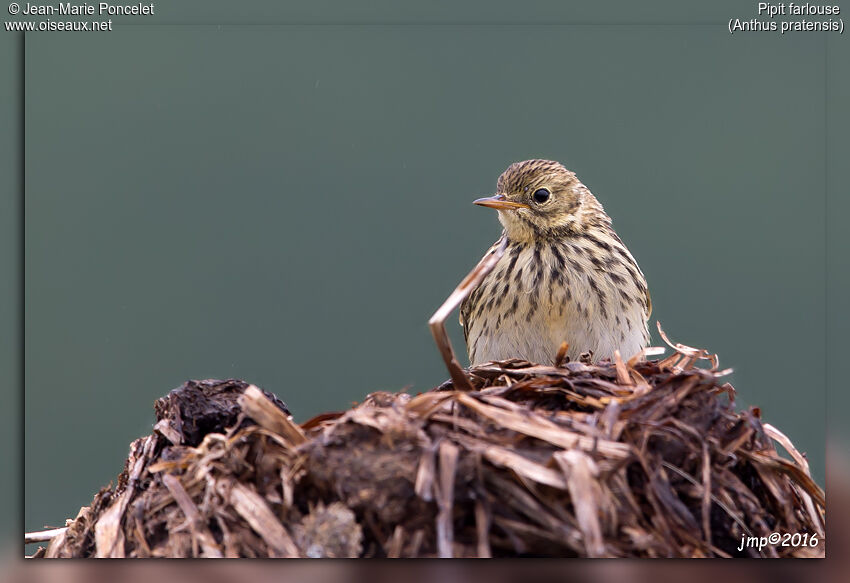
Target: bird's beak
[(498, 201)]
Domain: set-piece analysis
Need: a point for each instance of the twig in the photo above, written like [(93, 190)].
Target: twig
[(780, 437), (623, 377), (196, 522), (437, 323), (448, 454), (259, 408), (43, 535)]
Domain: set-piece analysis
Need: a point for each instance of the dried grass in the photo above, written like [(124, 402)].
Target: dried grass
[(625, 459)]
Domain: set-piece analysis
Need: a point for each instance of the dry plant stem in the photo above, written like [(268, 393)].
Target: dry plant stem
[(684, 357), (43, 535), (580, 472), (108, 534), (196, 522), (445, 501), (264, 412), (251, 507), (437, 323), (780, 437)]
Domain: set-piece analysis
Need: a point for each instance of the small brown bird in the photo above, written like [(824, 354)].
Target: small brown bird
[(565, 275)]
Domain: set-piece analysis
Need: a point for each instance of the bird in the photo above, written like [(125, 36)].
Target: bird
[(565, 276)]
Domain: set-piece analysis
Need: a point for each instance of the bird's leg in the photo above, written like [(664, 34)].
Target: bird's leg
[(437, 323)]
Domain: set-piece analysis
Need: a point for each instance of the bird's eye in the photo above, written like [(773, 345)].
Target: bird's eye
[(541, 195)]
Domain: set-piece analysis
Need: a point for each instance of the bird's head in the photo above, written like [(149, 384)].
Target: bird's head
[(540, 198)]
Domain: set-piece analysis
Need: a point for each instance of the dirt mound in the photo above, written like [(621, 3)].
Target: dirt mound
[(636, 459)]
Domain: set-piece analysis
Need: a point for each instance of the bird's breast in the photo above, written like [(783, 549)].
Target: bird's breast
[(540, 295)]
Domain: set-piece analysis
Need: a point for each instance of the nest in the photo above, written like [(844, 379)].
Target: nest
[(624, 459)]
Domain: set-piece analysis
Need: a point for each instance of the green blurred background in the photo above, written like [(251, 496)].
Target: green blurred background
[(288, 203)]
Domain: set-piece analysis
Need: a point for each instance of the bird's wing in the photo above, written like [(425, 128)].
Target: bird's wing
[(648, 304), (463, 316), (472, 299)]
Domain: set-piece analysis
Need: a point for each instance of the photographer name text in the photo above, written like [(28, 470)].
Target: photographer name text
[(99, 9)]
